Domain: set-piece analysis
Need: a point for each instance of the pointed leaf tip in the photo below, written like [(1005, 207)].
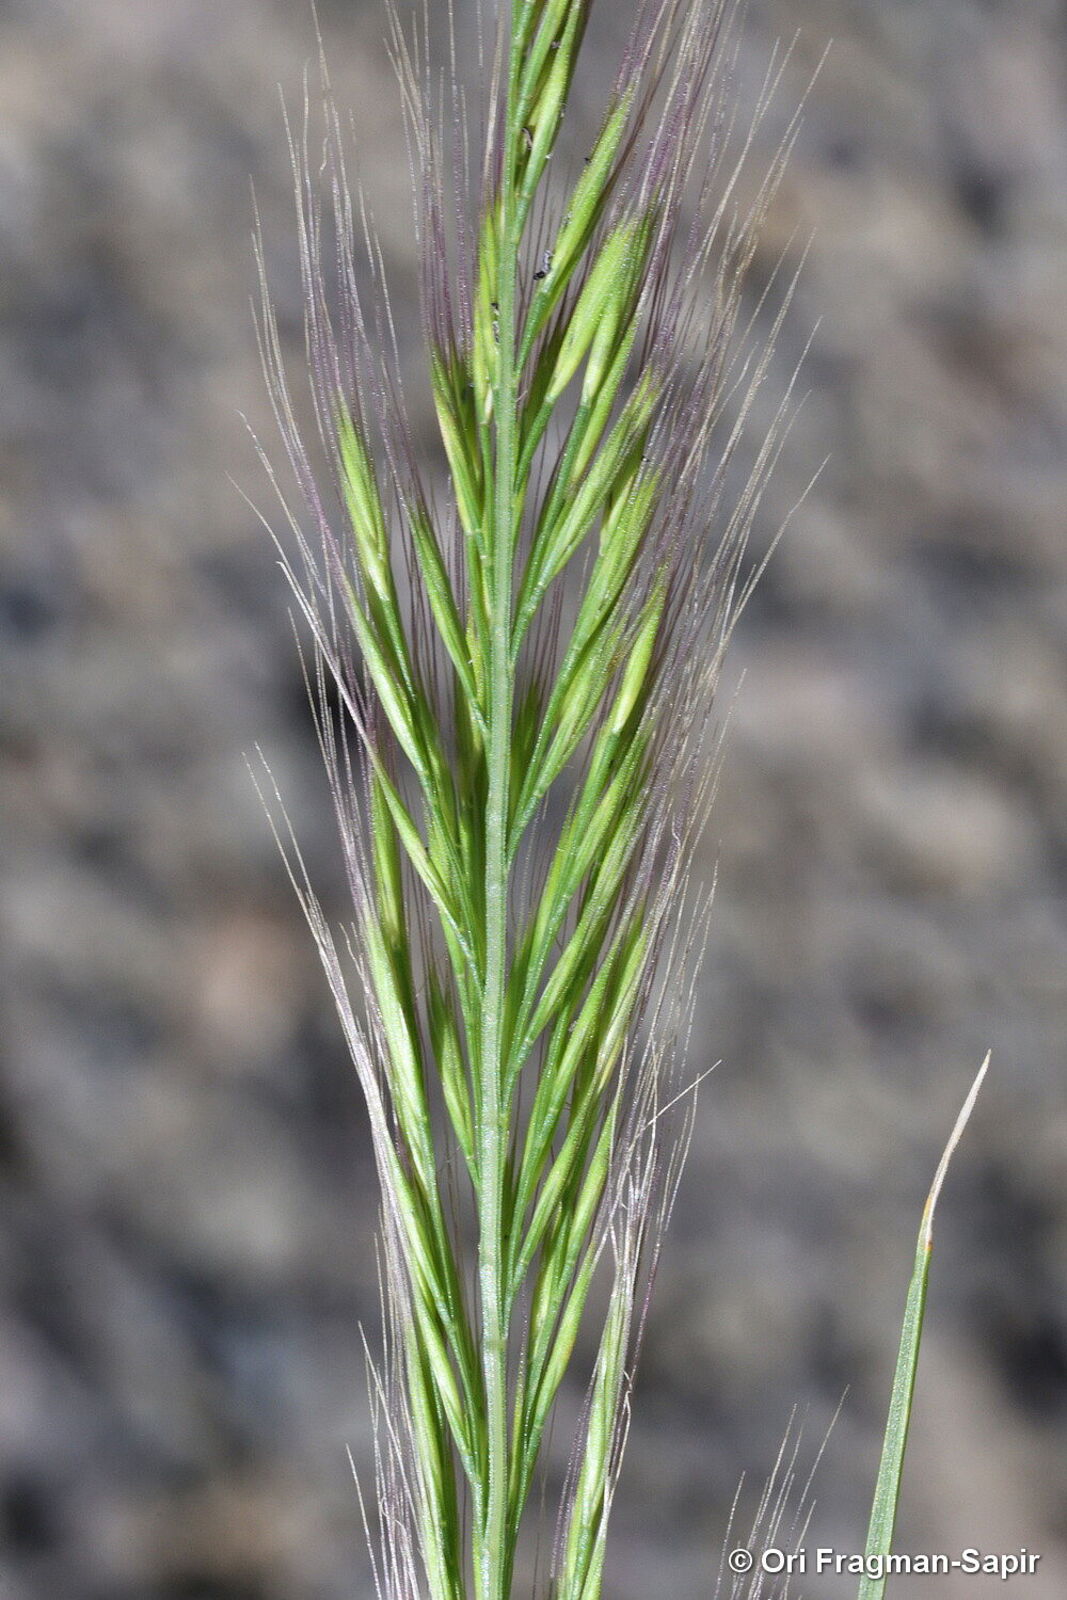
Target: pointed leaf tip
[(949, 1150), (894, 1445)]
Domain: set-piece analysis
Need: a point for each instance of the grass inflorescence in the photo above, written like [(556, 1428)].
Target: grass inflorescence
[(513, 667)]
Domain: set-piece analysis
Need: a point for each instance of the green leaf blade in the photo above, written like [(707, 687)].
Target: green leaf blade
[(890, 1471)]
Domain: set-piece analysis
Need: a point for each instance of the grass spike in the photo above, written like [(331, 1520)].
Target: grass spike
[(513, 676)]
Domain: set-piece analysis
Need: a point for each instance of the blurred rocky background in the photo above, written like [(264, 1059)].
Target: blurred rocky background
[(187, 1211)]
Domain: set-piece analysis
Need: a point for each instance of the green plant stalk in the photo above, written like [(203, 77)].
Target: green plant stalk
[(895, 1443), (494, 1562)]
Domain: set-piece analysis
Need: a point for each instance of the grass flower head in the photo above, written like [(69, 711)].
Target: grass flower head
[(513, 668)]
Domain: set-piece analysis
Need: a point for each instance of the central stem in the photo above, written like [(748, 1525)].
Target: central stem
[(494, 1559)]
